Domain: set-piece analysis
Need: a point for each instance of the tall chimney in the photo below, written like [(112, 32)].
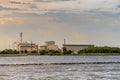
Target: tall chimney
[(21, 37), (64, 42)]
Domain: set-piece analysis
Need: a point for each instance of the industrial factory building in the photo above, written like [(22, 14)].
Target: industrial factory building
[(24, 46), (27, 46), (75, 47), (50, 45)]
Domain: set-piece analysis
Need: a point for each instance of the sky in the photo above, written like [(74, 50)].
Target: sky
[(78, 21)]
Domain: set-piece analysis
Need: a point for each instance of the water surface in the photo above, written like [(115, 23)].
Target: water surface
[(57, 59), (48, 71), (61, 72)]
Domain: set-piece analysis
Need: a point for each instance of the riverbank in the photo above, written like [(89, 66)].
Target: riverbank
[(99, 54), (12, 55), (85, 54)]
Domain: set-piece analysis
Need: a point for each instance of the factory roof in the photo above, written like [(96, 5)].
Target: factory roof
[(78, 45)]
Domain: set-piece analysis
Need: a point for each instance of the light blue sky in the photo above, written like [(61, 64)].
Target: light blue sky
[(79, 21)]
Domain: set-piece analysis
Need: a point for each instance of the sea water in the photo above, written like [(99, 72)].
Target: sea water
[(59, 71)]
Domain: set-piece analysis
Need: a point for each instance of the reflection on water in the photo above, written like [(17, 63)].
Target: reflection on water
[(61, 72)]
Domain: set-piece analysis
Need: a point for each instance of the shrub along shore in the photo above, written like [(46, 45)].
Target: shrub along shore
[(90, 51), (100, 51)]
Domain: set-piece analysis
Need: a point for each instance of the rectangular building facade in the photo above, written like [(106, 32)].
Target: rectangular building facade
[(50, 45), (75, 48), (25, 46)]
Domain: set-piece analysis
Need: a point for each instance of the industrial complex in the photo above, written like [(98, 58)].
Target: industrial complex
[(49, 45)]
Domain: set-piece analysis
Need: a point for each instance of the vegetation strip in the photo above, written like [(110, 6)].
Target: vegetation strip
[(90, 51)]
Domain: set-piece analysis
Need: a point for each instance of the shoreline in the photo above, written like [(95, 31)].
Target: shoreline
[(86, 54), (12, 55)]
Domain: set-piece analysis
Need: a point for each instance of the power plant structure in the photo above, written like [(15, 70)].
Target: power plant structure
[(50, 45), (75, 47), (22, 46), (29, 47)]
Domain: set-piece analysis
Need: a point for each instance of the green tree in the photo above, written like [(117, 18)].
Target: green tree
[(9, 51), (26, 51), (104, 49), (43, 52), (34, 51), (54, 52)]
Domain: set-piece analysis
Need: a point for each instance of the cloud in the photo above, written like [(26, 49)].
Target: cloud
[(118, 6), (22, 1), (65, 6), (6, 8), (52, 0), (35, 7), (11, 20), (80, 21), (5, 20), (70, 6), (15, 2)]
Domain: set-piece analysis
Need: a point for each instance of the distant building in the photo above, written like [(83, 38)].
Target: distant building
[(44, 47), (75, 48), (50, 45), (25, 46)]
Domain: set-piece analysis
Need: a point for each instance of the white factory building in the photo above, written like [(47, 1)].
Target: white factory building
[(24, 46), (75, 47), (50, 45), (27, 46)]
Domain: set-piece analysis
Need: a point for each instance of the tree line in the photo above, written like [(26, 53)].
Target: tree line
[(9, 51), (64, 51), (104, 49)]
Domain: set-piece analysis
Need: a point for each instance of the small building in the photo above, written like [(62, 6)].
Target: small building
[(75, 48), (50, 45)]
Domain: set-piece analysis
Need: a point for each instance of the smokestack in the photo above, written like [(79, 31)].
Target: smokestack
[(31, 46), (64, 42), (21, 37)]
